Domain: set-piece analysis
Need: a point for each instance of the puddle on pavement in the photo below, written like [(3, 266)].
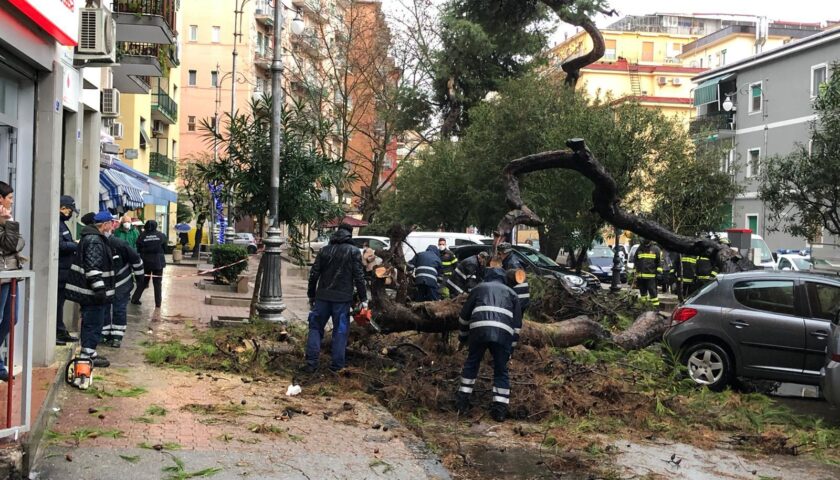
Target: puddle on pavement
[(516, 464)]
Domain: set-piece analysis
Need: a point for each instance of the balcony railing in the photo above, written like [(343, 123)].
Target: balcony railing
[(712, 123), (165, 104), (162, 167), (162, 8), (263, 57), (264, 12)]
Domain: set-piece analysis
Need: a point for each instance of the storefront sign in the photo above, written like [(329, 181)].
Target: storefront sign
[(59, 18), (71, 89)]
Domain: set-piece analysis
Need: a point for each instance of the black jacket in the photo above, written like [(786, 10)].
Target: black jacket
[(125, 261), (523, 290), (66, 252), (150, 246), (648, 261), (492, 312), (427, 267), (337, 268), (468, 274), (91, 278)]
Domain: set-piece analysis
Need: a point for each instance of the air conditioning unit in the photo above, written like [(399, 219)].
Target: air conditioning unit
[(109, 103), (97, 35), (117, 130), (661, 80), (676, 81)]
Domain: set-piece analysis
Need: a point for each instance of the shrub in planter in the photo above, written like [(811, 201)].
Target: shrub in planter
[(227, 254)]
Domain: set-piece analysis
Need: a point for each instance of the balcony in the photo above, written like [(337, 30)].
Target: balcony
[(146, 21), (264, 57), (314, 9), (720, 124), (308, 43), (264, 13), (162, 167), (164, 108)]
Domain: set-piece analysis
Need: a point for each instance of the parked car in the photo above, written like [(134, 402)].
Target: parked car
[(538, 264), (247, 240), (376, 243), (758, 324), (601, 264), (417, 242), (766, 258), (320, 242), (794, 262)]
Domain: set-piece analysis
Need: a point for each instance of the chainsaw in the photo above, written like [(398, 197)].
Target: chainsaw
[(79, 373)]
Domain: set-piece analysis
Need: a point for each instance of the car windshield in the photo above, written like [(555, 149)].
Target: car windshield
[(536, 257), (487, 241), (763, 249), (801, 263), (601, 252)]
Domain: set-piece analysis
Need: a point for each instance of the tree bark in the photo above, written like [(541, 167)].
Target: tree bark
[(606, 203)]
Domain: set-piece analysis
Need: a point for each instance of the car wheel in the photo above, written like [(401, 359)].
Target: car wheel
[(709, 365), (252, 249)]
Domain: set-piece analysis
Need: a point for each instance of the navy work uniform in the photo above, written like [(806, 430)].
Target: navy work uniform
[(648, 262), (688, 274), (468, 273), (705, 271), (427, 268), (490, 320)]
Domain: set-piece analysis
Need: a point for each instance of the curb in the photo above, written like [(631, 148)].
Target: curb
[(32, 446)]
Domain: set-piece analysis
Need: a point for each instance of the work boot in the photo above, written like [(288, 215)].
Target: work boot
[(498, 411), (63, 338), (462, 403), (101, 362), (4, 375), (116, 342), (308, 368)]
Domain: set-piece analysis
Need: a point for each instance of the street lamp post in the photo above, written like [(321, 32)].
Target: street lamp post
[(270, 305), (616, 270), (230, 231)]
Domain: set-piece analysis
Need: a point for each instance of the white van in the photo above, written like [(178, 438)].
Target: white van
[(757, 243), (420, 241)]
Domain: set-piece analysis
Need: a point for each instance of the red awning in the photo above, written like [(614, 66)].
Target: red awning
[(353, 222)]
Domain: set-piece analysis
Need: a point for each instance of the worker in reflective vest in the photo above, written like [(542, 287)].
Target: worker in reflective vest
[(705, 271), (687, 276), (648, 262), (448, 260)]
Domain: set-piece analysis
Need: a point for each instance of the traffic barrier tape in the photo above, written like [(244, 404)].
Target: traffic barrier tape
[(201, 272)]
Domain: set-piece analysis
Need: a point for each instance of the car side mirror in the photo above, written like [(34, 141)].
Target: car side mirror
[(775, 257)]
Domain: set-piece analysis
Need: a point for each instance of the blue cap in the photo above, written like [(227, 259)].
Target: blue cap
[(103, 216)]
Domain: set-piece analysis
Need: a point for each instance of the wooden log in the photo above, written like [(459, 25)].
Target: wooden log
[(567, 333), (647, 329)]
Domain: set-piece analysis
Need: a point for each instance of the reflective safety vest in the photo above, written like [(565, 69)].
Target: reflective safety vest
[(648, 262), (448, 260), (705, 269), (688, 269)]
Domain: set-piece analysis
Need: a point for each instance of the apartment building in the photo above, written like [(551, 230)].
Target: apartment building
[(759, 107)]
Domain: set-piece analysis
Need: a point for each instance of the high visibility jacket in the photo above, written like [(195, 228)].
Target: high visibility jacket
[(448, 260), (492, 312), (648, 261), (688, 269), (427, 267), (705, 269)]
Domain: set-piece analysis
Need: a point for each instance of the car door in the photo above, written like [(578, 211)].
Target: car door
[(764, 323), (823, 299)]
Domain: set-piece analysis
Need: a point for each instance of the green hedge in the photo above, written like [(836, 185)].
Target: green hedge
[(227, 254)]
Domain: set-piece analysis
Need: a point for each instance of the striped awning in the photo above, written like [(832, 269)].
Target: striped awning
[(117, 189), (707, 92)]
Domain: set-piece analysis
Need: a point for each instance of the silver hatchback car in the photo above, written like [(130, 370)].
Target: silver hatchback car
[(761, 324)]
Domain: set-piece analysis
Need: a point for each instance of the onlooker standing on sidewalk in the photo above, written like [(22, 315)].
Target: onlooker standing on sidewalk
[(66, 253), (11, 244), (337, 269), (126, 262), (126, 232), (150, 246), (91, 283)]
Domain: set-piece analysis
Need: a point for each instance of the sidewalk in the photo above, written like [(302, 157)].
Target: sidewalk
[(150, 419)]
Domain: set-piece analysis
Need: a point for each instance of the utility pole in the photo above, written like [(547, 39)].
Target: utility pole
[(230, 231)]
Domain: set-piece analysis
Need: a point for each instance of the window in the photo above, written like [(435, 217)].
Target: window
[(767, 295), (174, 150), (193, 33), (460, 241), (784, 264), (217, 34), (214, 78), (752, 223), (647, 51), (610, 50), (756, 97), (191, 123), (260, 46), (753, 162), (191, 80), (819, 75), (824, 300)]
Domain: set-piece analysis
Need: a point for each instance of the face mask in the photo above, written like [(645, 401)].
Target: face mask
[(64, 217), (127, 225), (107, 234), (441, 247)]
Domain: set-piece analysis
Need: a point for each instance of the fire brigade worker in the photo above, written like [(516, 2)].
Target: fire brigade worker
[(448, 260), (511, 262), (688, 275), (91, 283), (490, 320), (468, 273), (427, 268), (337, 269), (705, 271), (648, 263)]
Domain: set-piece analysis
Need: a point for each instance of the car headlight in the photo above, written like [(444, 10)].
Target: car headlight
[(573, 282)]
